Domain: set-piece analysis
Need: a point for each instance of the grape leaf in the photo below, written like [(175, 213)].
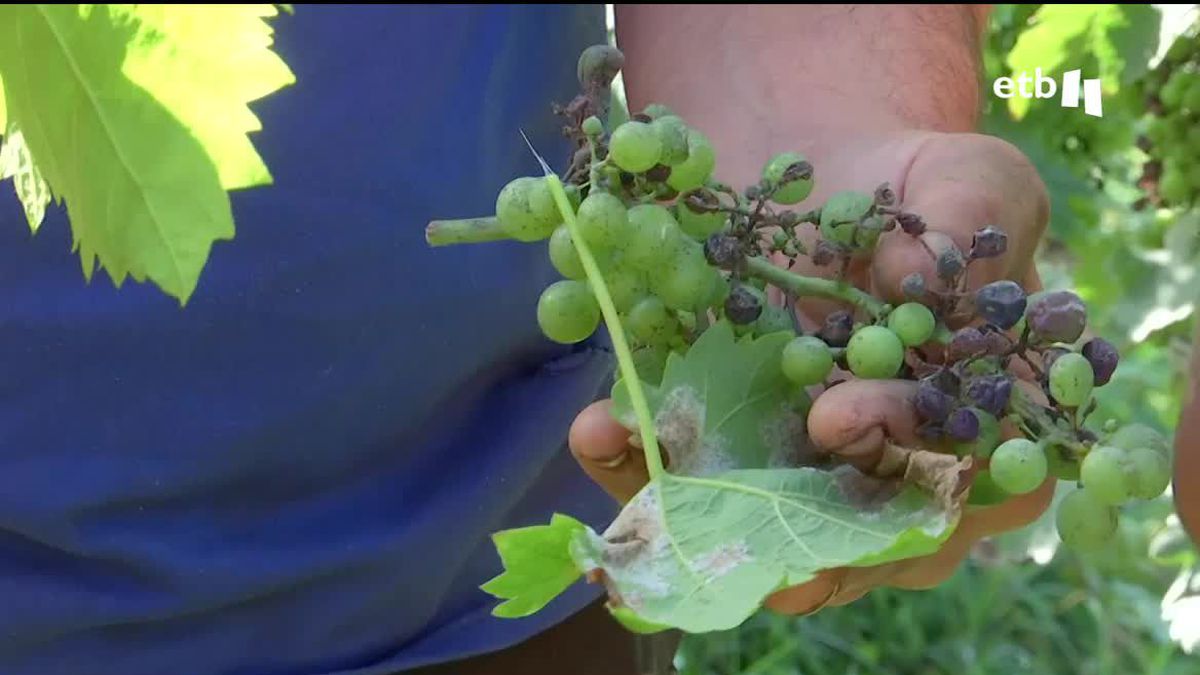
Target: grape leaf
[(136, 117), (31, 188), (3, 110), (537, 564), (741, 513), (722, 406), (702, 554)]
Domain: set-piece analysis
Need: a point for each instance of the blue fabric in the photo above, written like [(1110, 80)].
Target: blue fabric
[(297, 474)]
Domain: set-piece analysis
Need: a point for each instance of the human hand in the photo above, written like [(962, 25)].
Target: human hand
[(958, 183)]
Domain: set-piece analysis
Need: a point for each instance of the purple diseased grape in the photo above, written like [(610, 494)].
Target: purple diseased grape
[(723, 251), (962, 425), (932, 404), (967, 342), (1104, 358), (998, 343), (950, 263), (989, 393), (913, 286), (885, 195), (825, 253), (837, 329), (989, 242), (911, 223), (930, 432), (1001, 303), (946, 381), (742, 306), (1058, 316)]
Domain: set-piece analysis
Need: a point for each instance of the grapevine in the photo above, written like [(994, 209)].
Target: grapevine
[(1172, 131), (679, 266)]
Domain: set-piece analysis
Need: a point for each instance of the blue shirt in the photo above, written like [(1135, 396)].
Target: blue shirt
[(297, 474)]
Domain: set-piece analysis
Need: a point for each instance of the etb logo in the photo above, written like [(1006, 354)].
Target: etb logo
[(1046, 87)]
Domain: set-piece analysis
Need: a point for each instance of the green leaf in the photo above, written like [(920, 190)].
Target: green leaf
[(722, 405), (702, 554), (1117, 41), (537, 566), (136, 117), (17, 163), (3, 111)]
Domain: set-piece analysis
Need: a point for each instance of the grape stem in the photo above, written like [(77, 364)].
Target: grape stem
[(633, 383), (802, 286), (464, 231)]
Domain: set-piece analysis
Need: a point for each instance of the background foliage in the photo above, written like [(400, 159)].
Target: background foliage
[(1020, 604)]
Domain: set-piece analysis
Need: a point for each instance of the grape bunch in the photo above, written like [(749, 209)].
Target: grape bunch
[(1172, 132), (677, 250)]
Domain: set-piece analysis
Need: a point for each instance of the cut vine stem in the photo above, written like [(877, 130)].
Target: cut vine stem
[(808, 287), (464, 231)]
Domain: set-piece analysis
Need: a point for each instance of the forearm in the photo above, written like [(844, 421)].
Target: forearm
[(763, 78)]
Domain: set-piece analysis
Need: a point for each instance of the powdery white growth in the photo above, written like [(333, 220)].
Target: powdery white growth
[(681, 430), (721, 560)]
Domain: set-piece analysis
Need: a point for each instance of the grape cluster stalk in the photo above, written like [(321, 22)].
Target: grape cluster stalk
[(676, 250)]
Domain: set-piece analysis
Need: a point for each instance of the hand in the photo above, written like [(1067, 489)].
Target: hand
[(958, 183)]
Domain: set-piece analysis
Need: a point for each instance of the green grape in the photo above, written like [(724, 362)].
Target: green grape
[(1105, 473), (774, 319), (840, 215), (563, 255), (867, 234), (696, 169), (874, 353), (602, 220), (913, 323), (1174, 186), (1084, 523), (1071, 380), (699, 225), (526, 209), (1018, 466), (793, 192), (635, 147), (592, 126), (1191, 97), (1132, 436), (987, 440), (806, 360), (685, 282), (1149, 473), (672, 134), (654, 239), (626, 286), (1061, 463), (567, 312), (651, 323)]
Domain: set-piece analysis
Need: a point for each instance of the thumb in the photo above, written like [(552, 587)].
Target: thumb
[(855, 417), (601, 446)]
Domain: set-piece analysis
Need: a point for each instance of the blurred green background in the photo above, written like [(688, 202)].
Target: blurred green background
[(1129, 245)]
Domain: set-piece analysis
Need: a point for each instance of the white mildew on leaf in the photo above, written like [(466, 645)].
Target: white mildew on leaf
[(702, 554)]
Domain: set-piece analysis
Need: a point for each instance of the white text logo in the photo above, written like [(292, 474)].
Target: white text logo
[(1046, 87)]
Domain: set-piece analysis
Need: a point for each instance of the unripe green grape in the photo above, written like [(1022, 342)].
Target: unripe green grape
[(987, 440), (567, 313), (574, 196), (1105, 473), (874, 353), (794, 191), (626, 286), (1071, 380), (1136, 435), (699, 226), (654, 239), (592, 126), (913, 323), (685, 281), (656, 110), (840, 215), (1172, 92), (867, 233), (806, 360), (651, 323), (1149, 473), (774, 319), (1174, 186), (526, 210), (1018, 466), (692, 172), (635, 147), (672, 134), (1085, 523), (603, 220), (1191, 97), (563, 255)]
